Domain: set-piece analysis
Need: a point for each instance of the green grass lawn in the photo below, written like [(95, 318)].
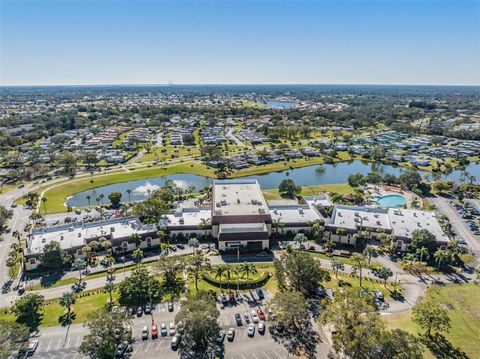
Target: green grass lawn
[(82, 308), (462, 302), (344, 260), (56, 196), (342, 188)]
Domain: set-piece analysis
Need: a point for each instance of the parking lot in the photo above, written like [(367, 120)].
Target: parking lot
[(56, 343)]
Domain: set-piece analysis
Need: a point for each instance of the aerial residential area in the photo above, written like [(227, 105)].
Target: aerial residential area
[(239, 180)]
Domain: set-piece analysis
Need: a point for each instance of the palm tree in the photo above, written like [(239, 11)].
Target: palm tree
[(101, 196), (79, 264), (300, 238), (247, 268), (329, 245), (129, 193), (87, 251), (88, 199), (162, 234), (422, 253), (67, 300), (138, 255), (105, 243), (359, 262), (228, 273), (194, 243), (196, 266), (98, 201), (218, 272), (17, 235), (137, 238), (203, 225), (109, 287), (441, 256), (94, 245), (337, 266), (278, 226), (44, 201)]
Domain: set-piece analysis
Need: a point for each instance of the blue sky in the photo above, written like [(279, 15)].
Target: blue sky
[(152, 42)]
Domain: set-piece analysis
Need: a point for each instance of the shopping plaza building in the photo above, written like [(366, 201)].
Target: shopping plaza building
[(240, 217)]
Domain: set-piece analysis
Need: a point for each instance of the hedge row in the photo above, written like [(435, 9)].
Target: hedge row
[(253, 283)]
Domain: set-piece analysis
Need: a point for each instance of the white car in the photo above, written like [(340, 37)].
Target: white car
[(255, 318), (261, 327), (251, 330), (32, 346), (163, 330), (172, 328)]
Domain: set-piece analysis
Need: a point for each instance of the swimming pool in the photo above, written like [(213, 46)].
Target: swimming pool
[(391, 200)]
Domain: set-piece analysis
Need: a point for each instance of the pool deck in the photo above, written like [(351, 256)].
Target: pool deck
[(381, 191)]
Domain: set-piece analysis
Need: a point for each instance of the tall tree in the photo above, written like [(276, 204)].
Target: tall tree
[(53, 256), (198, 317), (196, 265), (431, 317), (288, 188), (67, 300), (12, 336), (105, 331), (138, 288), (302, 272), (28, 310)]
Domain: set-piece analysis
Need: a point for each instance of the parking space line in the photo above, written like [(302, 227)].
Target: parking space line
[(278, 355), (48, 348), (59, 344), (254, 355), (78, 343), (67, 344), (267, 355), (148, 347)]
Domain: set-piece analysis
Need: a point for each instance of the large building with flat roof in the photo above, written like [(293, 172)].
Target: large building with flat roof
[(74, 236), (240, 215)]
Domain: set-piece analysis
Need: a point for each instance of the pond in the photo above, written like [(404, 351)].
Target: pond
[(305, 176), (279, 104)]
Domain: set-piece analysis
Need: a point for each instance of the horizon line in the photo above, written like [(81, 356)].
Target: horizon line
[(240, 84)]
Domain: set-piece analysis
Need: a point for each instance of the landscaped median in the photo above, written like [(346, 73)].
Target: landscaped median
[(239, 283)]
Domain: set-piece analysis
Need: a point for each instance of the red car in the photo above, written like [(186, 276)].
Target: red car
[(260, 313), (154, 331)]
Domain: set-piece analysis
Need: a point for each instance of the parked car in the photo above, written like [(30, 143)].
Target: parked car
[(220, 337), (171, 328), (260, 313), (154, 332), (246, 317), (145, 333), (379, 295), (180, 246), (231, 334), (139, 311), (255, 318), (148, 308), (175, 341), (251, 330), (238, 319), (170, 306), (163, 329), (122, 349), (261, 327), (260, 294), (32, 346)]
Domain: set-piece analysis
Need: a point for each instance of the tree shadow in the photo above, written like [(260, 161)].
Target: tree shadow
[(301, 342), (441, 348), (67, 319), (49, 280)]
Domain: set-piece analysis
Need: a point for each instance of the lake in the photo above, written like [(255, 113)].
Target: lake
[(305, 176), (279, 104)]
